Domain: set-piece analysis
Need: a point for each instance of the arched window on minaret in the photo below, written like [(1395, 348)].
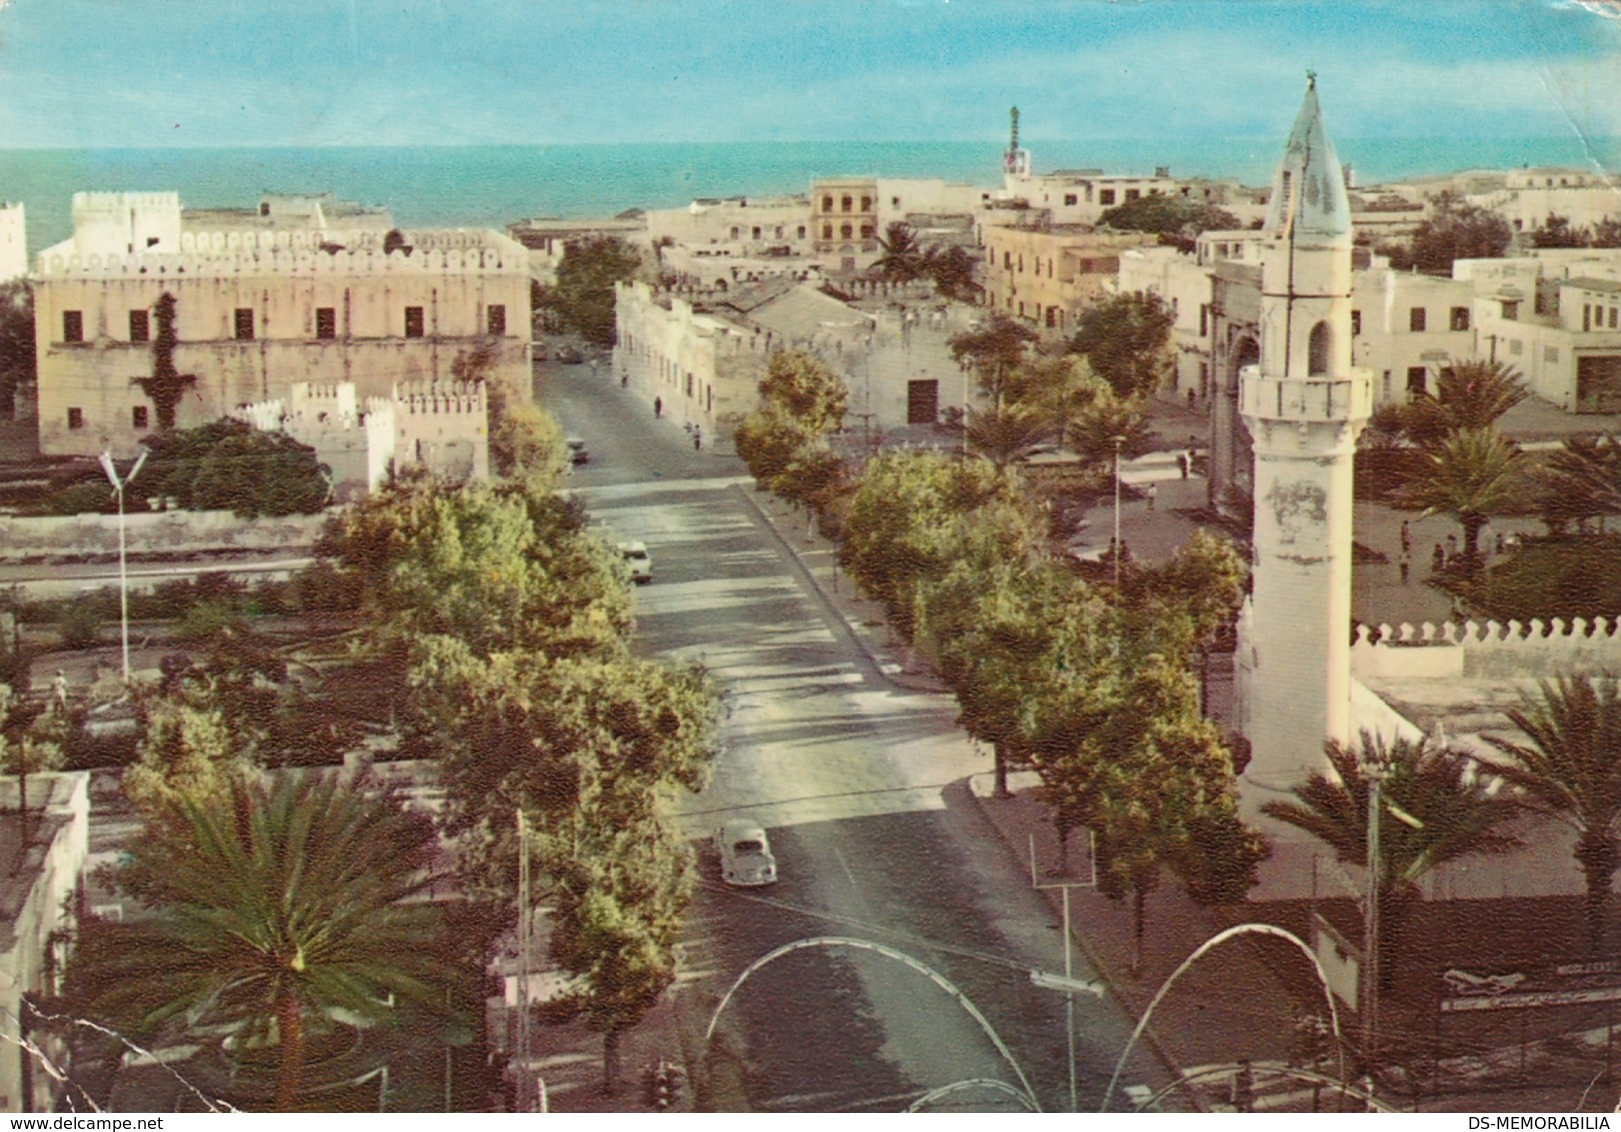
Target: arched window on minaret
[(1322, 338)]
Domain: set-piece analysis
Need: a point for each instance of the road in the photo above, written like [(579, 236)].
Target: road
[(860, 785)]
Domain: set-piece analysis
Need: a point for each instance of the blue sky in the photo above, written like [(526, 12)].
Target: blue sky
[(406, 72)]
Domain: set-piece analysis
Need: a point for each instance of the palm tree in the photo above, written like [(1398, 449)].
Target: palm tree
[(1582, 480), (1004, 434), (1435, 816), (273, 914), (1471, 475), (1571, 771), (1468, 395), (903, 259)]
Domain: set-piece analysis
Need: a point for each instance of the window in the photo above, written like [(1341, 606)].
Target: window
[(868, 231), (1550, 354), (1511, 309), (1416, 320), (413, 322), (138, 416), (1007, 261), (1460, 318), (140, 326), (827, 204), (1071, 198), (866, 204), (1318, 347), (1105, 196), (1587, 317), (1612, 318), (75, 418), (1133, 194), (845, 203), (827, 231), (894, 202), (1204, 319), (1415, 379), (734, 231), (73, 326), (244, 323), (1356, 323), (801, 231), (497, 319), (756, 231), (846, 231), (326, 322)]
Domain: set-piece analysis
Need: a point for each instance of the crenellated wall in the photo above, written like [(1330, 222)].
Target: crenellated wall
[(1534, 649)]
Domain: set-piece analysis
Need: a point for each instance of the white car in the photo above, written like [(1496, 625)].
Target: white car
[(745, 854), (638, 560), (577, 451)]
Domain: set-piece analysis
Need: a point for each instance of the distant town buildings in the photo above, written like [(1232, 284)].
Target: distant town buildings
[(1045, 276), (13, 242), (297, 290)]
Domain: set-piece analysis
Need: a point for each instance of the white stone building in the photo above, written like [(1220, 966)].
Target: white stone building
[(257, 312), (13, 242)]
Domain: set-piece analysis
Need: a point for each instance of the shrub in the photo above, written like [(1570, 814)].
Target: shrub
[(79, 625)]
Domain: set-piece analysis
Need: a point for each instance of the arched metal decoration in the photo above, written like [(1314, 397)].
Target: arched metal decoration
[(927, 972), (943, 1091), (1272, 1068), (1198, 952)]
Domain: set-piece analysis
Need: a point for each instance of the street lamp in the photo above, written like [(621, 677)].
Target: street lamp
[(123, 576), (1376, 774)]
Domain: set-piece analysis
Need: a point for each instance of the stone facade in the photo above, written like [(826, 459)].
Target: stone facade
[(256, 313), (13, 242)]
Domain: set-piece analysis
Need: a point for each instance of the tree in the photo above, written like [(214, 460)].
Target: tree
[(230, 465), (1569, 769), (272, 915), (167, 385), (583, 296), (1607, 232), (17, 366), (1454, 230), (1556, 232), (992, 352), (1471, 475), (1126, 339), (903, 259), (28, 749), (1004, 434), (952, 270), (1169, 216), (187, 755), (804, 388), (1435, 816), (1468, 395)]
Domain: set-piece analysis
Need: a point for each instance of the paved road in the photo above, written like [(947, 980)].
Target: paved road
[(861, 787)]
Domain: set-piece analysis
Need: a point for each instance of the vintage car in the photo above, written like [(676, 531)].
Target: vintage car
[(745, 854)]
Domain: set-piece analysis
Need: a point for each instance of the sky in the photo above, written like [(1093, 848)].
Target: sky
[(138, 73)]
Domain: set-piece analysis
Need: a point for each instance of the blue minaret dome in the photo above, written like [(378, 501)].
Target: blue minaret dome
[(1308, 203)]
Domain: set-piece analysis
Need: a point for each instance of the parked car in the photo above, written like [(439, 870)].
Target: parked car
[(745, 854), (569, 356), (577, 451), (639, 561)]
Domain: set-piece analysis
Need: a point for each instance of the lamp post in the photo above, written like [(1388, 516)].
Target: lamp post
[(1370, 923), (1118, 442), (123, 575)]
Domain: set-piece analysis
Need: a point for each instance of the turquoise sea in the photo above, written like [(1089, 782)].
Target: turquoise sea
[(495, 185)]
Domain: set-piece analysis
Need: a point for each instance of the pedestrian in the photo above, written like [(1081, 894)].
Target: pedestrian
[(1452, 548), (1153, 494), (1485, 539), (59, 690), (1501, 544), (1193, 399), (1406, 537), (697, 438), (658, 408), (624, 379), (1405, 562), (1183, 459), (1438, 560)]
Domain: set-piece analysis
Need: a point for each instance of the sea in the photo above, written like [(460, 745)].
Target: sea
[(493, 186)]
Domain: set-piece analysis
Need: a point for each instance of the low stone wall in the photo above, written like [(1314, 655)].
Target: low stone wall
[(161, 532), (1473, 649)]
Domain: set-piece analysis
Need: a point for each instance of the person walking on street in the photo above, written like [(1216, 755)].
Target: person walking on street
[(1438, 560), (1405, 562), (697, 438), (59, 691), (658, 408), (1184, 461), (1406, 538), (1153, 494)]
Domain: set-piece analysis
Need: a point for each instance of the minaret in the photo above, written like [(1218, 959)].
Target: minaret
[(1304, 405)]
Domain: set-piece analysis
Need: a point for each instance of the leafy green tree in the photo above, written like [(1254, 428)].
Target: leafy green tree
[(804, 388), (1556, 232), (273, 913), (17, 366), (897, 533), (493, 564), (1581, 480), (1104, 416), (1435, 817), (1468, 395), (583, 297), (903, 259), (230, 465), (1169, 216), (992, 353), (1454, 230), (187, 754), (1569, 769), (1607, 232), (166, 385), (1126, 339), (1471, 475)]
